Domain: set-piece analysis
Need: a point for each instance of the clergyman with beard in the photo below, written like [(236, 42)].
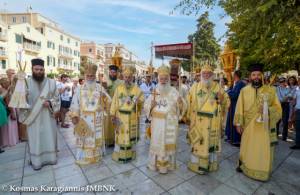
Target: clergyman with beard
[(257, 112), (113, 80), (112, 83), (44, 101), (125, 110), (165, 107), (87, 112), (207, 104)]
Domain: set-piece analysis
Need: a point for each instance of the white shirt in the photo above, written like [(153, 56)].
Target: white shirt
[(297, 95), (147, 88), (67, 94)]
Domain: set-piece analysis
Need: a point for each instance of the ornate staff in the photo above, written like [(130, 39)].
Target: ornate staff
[(103, 95), (102, 118), (148, 131), (136, 117)]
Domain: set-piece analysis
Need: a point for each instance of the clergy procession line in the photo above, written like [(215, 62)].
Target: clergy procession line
[(106, 115)]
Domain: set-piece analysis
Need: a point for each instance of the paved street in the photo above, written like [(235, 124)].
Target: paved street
[(135, 178)]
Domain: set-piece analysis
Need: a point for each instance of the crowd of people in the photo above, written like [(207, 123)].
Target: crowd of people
[(287, 89), (11, 131), (107, 113)]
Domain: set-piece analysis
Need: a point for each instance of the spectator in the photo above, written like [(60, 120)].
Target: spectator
[(81, 81), (65, 96), (296, 146), (147, 86), (292, 87), (232, 136), (3, 114), (10, 74), (10, 135), (282, 93)]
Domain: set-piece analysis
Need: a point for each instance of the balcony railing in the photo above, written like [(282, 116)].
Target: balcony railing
[(65, 55), (65, 67), (32, 47)]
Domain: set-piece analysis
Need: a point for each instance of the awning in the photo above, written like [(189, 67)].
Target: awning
[(178, 50)]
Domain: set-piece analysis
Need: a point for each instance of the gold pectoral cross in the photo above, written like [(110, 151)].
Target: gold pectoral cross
[(154, 93)]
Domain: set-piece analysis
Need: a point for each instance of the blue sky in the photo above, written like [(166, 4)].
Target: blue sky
[(135, 23)]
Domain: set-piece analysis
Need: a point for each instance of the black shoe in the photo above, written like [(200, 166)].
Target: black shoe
[(238, 169), (236, 145), (1, 151), (295, 147), (37, 169), (284, 139)]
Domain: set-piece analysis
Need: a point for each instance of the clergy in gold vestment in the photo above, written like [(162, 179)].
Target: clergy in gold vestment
[(125, 111), (257, 111), (165, 108), (207, 103), (112, 84), (183, 90), (87, 114)]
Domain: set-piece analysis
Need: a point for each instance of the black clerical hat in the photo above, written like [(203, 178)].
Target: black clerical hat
[(37, 61), (256, 67), (113, 67)]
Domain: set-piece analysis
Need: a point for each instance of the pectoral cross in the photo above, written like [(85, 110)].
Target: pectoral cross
[(154, 93)]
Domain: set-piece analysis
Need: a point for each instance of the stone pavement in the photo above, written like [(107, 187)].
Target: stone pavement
[(135, 178)]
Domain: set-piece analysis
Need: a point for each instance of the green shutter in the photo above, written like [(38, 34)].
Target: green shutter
[(19, 38), (3, 62)]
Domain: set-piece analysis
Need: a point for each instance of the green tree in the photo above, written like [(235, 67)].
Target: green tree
[(206, 46), (260, 31)]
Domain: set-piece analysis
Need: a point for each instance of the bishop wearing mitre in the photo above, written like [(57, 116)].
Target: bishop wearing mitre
[(125, 111), (165, 107), (207, 104), (88, 114)]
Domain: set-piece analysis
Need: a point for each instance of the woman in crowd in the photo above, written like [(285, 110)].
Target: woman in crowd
[(292, 87), (3, 114), (10, 135)]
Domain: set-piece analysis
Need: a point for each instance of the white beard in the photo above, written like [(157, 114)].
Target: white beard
[(90, 84), (206, 82), (128, 84), (164, 88)]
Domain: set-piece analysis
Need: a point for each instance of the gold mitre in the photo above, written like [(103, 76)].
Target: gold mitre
[(207, 68), (128, 70), (90, 69), (163, 70)]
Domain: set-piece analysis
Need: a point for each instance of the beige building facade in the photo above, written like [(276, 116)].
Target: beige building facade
[(3, 47), (128, 57), (39, 37), (92, 52)]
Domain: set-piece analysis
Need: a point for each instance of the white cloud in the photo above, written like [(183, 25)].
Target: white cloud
[(156, 8), (133, 22), (138, 30)]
